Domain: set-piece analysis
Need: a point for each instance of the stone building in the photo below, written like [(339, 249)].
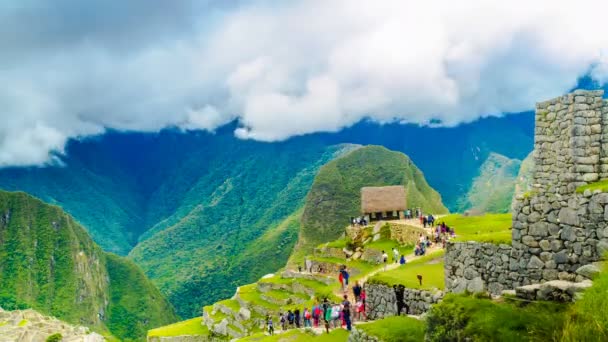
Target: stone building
[(383, 203), (558, 227)]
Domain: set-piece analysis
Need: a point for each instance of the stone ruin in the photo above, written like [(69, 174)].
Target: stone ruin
[(557, 230)]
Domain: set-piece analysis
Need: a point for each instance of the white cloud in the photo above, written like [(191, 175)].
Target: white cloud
[(300, 67)]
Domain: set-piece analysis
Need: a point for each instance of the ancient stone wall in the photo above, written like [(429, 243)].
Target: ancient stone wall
[(382, 302), (479, 267), (555, 229)]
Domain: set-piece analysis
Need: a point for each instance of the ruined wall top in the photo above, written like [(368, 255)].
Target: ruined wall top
[(571, 142)]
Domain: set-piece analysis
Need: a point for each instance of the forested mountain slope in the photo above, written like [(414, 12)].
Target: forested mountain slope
[(49, 263)]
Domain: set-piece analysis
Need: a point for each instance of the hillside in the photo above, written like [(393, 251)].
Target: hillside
[(235, 224), (492, 190), (335, 193), (49, 263)]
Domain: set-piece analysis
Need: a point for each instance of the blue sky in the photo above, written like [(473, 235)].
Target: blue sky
[(280, 68)]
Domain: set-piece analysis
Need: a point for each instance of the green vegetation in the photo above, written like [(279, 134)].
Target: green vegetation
[(238, 221), (387, 245), (23, 323), (430, 267), (335, 193), (336, 335), (396, 329), (54, 338), (462, 318), (599, 185), (492, 190), (49, 263), (494, 228), (588, 318), (192, 326)]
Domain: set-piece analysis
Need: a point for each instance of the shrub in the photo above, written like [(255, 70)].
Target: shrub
[(464, 317), (54, 338)]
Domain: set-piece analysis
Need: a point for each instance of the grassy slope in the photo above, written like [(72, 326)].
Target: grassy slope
[(495, 228), (193, 327), (236, 224), (48, 262), (335, 193), (492, 190), (430, 267), (396, 329)]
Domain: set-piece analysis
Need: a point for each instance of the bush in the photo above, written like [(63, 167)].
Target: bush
[(54, 338), (463, 317)]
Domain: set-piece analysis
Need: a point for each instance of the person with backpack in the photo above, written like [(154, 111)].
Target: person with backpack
[(345, 277), (269, 325), (346, 309), (316, 314), (290, 318), (283, 321), (326, 314), (307, 318), (357, 290)]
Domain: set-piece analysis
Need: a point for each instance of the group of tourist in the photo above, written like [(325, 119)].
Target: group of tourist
[(358, 221), (428, 220), (330, 315)]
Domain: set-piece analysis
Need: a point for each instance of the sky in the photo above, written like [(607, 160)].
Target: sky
[(72, 68)]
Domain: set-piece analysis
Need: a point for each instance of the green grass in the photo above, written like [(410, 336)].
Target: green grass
[(23, 323), (250, 294), (430, 267), (396, 329), (340, 243), (588, 319), (336, 335), (468, 318), (493, 228), (599, 185), (387, 245), (192, 326)]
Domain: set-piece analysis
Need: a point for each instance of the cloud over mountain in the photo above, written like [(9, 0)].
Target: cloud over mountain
[(74, 68)]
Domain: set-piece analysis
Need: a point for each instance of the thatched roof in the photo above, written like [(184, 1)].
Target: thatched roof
[(382, 198)]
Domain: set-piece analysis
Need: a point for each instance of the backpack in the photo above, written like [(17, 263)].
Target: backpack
[(307, 315)]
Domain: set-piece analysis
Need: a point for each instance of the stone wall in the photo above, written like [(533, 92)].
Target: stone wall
[(382, 302), (555, 229), (479, 267), (404, 233)]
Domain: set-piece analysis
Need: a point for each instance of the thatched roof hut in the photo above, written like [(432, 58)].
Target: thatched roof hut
[(383, 199)]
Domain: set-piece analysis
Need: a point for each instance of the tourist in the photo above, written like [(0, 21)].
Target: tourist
[(384, 259), (270, 325), (360, 310), (326, 314), (296, 314), (307, 317), (399, 294), (345, 276), (363, 298), (357, 290), (283, 320), (335, 316), (424, 221), (402, 260), (316, 314), (341, 279), (346, 312), (308, 264), (395, 255), (290, 318)]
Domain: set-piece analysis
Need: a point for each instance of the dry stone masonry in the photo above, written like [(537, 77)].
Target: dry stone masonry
[(382, 301), (557, 232)]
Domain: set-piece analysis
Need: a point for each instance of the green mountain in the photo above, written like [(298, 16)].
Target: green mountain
[(49, 263), (492, 190), (335, 193), (236, 223)]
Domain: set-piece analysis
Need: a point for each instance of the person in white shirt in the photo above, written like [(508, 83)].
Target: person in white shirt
[(384, 259)]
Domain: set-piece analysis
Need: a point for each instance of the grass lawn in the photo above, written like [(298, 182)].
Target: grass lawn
[(190, 327), (387, 245), (430, 267), (396, 329), (337, 335), (494, 228)]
